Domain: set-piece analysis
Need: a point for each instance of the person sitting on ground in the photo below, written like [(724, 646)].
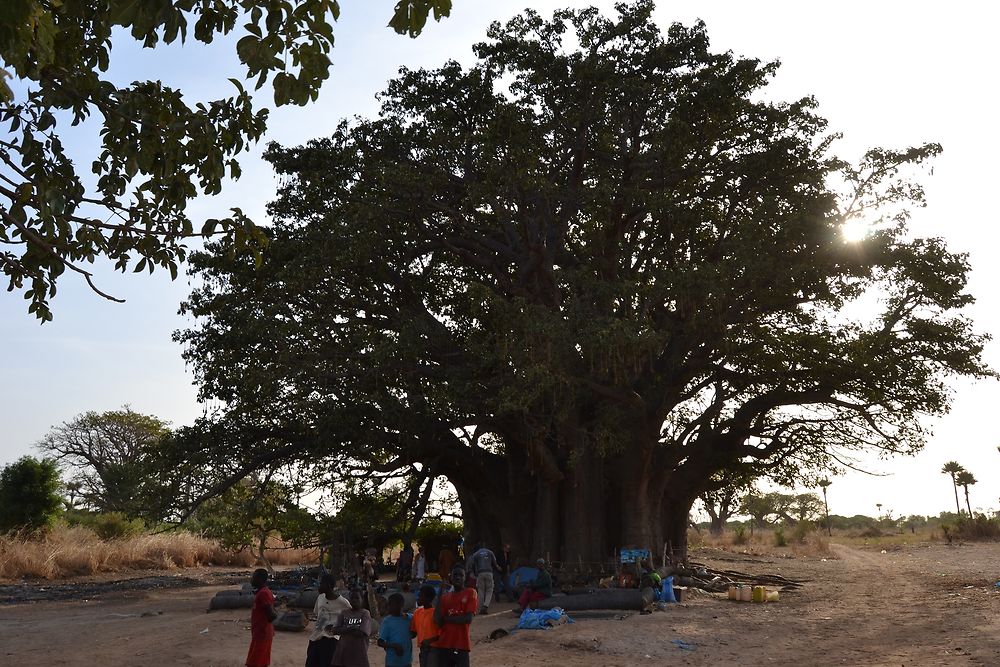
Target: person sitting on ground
[(329, 605), (354, 629), (453, 614), (262, 617), (423, 626), (394, 634), (537, 590)]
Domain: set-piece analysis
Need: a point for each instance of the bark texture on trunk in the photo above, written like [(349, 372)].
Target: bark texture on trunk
[(581, 506)]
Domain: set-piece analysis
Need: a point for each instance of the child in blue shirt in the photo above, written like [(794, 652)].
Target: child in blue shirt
[(394, 634)]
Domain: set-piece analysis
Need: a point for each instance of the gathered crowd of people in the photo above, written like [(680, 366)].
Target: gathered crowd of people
[(449, 596)]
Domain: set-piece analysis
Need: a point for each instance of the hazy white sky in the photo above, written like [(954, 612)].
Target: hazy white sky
[(888, 73)]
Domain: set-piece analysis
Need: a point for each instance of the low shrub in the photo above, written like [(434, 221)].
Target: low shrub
[(802, 530), (814, 544), (740, 536), (779, 538), (978, 527), (115, 526)]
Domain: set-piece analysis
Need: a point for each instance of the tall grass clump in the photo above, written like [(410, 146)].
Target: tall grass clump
[(67, 551), (814, 543)]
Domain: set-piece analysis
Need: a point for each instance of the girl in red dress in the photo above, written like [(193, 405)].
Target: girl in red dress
[(261, 621)]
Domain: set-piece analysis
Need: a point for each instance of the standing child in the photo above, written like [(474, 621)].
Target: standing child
[(453, 615), (354, 629), (262, 617), (394, 635), (423, 626), (329, 605)]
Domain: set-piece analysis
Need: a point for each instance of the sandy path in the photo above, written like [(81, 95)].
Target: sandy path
[(933, 605)]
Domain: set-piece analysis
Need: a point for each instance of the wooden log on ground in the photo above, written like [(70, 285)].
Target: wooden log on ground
[(230, 601), (612, 598), (304, 600)]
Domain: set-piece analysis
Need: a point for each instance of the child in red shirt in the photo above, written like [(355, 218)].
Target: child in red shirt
[(453, 615), (261, 621)]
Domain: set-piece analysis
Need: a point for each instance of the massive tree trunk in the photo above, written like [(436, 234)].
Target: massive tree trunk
[(560, 498), (583, 534), (676, 513)]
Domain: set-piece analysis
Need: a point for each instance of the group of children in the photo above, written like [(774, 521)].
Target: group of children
[(440, 624)]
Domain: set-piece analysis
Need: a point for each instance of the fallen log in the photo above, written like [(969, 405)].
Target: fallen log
[(304, 600), (228, 600), (610, 598)]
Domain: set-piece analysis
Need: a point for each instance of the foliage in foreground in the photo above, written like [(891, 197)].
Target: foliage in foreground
[(158, 151)]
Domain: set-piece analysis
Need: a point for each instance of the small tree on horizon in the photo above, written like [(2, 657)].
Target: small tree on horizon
[(823, 484), (29, 494), (111, 460), (965, 479), (953, 468)]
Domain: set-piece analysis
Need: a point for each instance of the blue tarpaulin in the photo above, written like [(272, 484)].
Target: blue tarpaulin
[(522, 576), (541, 619), (632, 555)]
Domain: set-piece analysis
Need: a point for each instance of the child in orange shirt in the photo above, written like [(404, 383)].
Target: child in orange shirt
[(423, 626)]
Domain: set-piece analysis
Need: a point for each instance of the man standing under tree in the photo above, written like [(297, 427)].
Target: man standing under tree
[(482, 563), (453, 615), (506, 562)]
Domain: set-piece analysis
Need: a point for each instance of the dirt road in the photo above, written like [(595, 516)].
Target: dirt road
[(918, 605)]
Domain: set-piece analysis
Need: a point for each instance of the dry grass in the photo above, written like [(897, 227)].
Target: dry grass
[(762, 543), (67, 552)]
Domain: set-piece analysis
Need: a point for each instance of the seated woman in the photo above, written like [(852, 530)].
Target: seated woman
[(537, 590)]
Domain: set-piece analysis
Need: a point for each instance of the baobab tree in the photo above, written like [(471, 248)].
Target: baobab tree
[(953, 468), (584, 280), (965, 479), (823, 484)]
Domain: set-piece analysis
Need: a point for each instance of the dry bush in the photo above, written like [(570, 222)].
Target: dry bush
[(73, 551), (813, 544), (292, 556), (978, 528)]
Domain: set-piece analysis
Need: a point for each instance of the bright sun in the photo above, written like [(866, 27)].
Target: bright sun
[(855, 230)]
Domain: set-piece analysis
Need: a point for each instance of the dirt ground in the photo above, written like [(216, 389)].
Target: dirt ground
[(913, 605)]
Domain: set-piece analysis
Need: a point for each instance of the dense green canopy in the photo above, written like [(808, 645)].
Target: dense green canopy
[(583, 279)]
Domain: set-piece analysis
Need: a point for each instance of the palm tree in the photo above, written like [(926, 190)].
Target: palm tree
[(965, 479), (823, 483), (953, 468)]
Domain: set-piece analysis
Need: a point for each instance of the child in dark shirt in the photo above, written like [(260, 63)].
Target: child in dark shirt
[(354, 629)]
